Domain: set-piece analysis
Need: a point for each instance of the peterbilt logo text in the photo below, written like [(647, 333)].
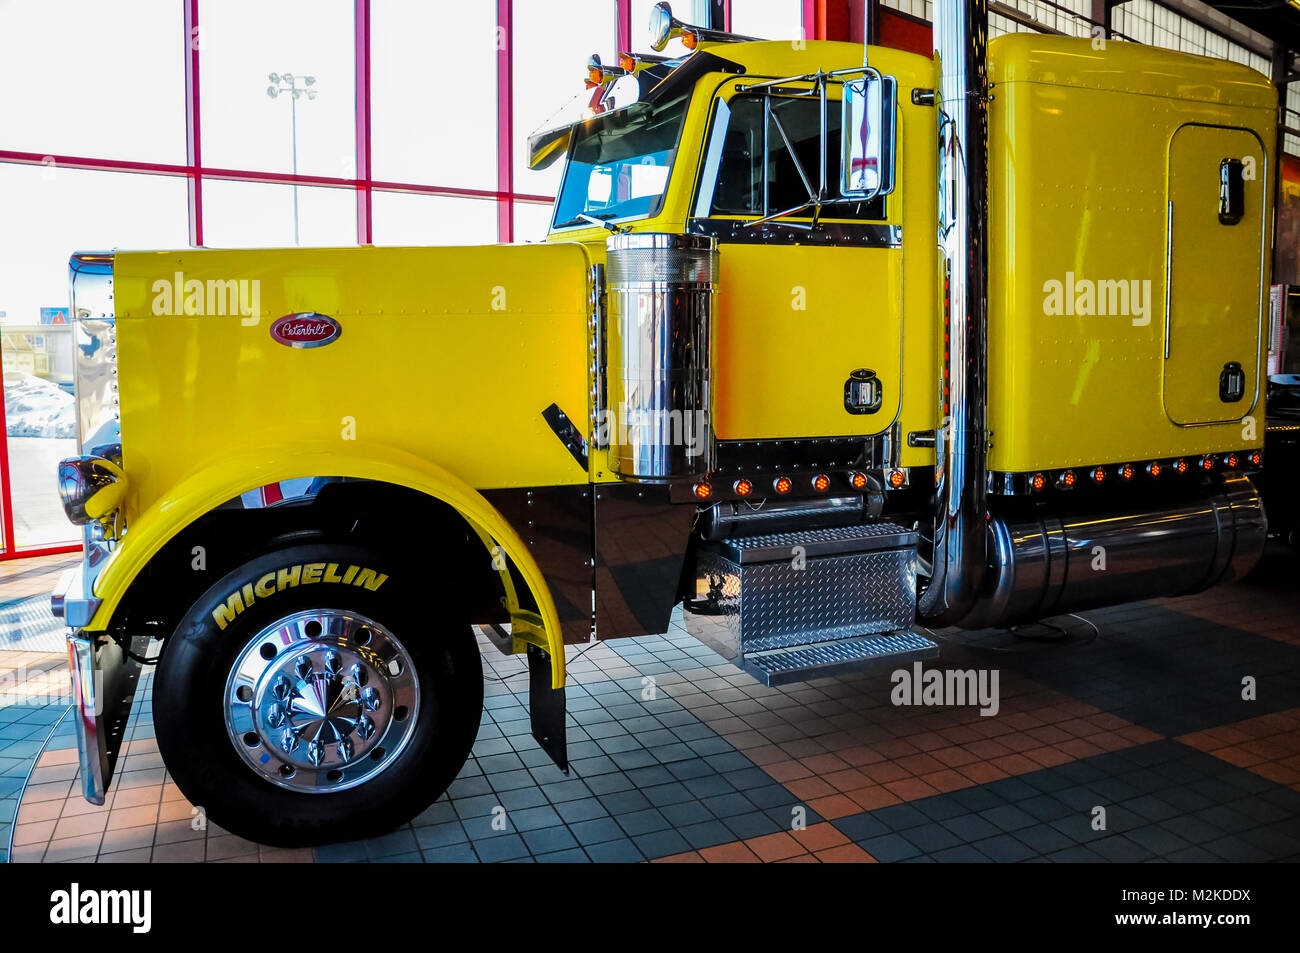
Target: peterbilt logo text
[(306, 329)]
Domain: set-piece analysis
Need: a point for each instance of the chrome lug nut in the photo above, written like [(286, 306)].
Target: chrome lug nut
[(333, 663), (316, 751), (358, 673), (303, 668), (275, 715), (365, 728), (370, 698), (345, 749)]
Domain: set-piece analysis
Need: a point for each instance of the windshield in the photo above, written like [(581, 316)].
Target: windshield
[(618, 164)]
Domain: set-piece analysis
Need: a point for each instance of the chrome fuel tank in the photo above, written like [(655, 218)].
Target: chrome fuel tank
[(1052, 564)]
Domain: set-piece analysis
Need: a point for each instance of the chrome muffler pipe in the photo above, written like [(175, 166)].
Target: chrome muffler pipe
[(958, 556)]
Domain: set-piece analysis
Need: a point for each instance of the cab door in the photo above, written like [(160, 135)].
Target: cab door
[(1215, 273), (809, 312)]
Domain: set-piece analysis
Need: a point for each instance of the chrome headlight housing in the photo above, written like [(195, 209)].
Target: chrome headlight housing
[(90, 487)]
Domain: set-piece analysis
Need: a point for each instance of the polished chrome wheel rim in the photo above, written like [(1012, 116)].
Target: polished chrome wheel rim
[(321, 701)]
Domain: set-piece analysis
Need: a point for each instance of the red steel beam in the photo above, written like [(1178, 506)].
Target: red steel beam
[(365, 207), (505, 122), (193, 133)]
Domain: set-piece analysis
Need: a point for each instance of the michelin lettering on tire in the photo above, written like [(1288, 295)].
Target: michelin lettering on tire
[(290, 577)]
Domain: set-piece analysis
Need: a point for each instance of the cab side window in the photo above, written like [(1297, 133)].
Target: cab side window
[(771, 157)]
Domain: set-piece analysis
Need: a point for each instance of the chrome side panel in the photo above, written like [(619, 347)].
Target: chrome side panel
[(662, 292), (1057, 564)]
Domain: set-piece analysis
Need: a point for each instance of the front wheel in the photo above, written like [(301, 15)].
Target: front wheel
[(317, 693)]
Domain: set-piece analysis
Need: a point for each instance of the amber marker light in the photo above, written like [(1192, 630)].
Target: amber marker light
[(897, 478), (743, 487), (1098, 475), (703, 491), (1230, 461), (858, 480), (1066, 479), (690, 40), (1125, 471), (782, 485), (1180, 467), (1207, 464), (1038, 483), (627, 61), (1255, 458), (821, 483), (1154, 469)]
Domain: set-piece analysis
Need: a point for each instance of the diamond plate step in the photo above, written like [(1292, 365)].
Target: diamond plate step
[(804, 662), (831, 541)]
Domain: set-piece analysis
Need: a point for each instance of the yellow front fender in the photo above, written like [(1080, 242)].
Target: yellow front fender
[(215, 484)]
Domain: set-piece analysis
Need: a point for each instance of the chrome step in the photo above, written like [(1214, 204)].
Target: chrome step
[(804, 662)]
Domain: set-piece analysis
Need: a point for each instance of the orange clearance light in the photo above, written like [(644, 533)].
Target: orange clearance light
[(743, 487), (1038, 483), (1255, 458), (1125, 471), (782, 485), (897, 478), (1098, 475), (1180, 466), (1207, 463), (1230, 461), (595, 75), (858, 480), (703, 491), (690, 40), (1154, 469), (1066, 480), (627, 61), (821, 483)]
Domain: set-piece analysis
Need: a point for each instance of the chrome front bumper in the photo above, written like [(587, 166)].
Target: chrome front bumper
[(104, 680)]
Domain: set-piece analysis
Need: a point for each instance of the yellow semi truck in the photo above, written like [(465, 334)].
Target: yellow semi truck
[(825, 343)]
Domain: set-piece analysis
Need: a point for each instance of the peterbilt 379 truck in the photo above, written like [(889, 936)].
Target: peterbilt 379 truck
[(827, 345)]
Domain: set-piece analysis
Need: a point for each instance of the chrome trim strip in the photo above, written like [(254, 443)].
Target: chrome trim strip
[(743, 232)]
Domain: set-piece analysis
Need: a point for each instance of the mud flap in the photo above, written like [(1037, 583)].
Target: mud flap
[(104, 680), (546, 708)]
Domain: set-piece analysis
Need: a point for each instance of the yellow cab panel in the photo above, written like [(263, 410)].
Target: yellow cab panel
[(1081, 176)]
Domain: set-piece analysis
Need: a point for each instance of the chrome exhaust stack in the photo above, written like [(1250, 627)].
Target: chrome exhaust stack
[(959, 541)]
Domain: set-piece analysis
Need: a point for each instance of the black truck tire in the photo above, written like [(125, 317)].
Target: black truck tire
[(318, 693)]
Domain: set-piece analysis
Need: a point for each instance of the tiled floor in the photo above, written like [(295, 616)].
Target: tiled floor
[(1133, 745)]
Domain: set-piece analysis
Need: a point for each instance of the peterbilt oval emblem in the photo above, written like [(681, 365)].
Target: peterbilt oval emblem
[(306, 329)]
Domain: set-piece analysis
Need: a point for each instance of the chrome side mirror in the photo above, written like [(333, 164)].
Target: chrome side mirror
[(867, 130)]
